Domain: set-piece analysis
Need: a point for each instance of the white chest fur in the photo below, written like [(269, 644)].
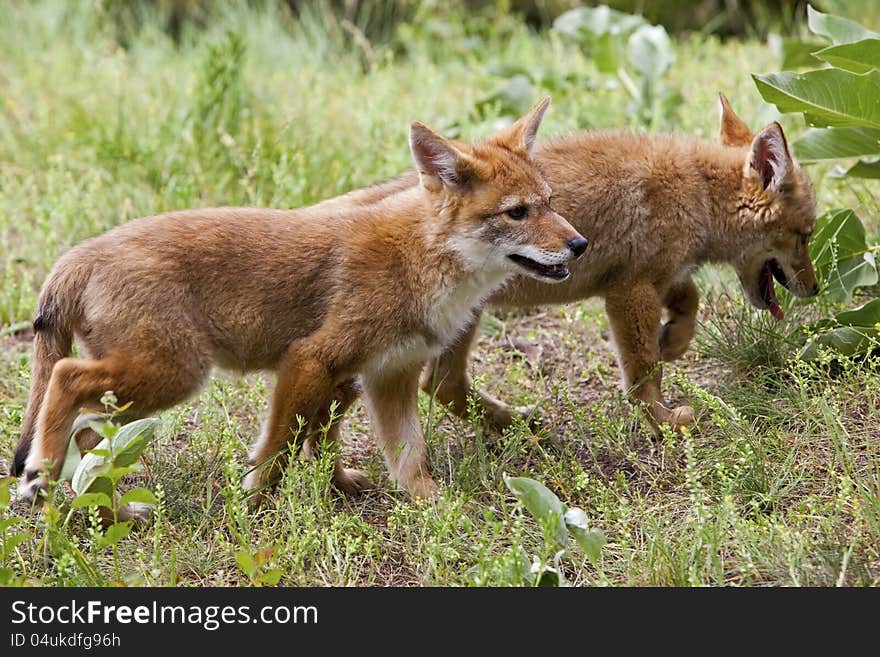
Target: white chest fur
[(449, 313)]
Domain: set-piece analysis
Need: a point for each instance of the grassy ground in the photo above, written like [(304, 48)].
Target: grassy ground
[(779, 485)]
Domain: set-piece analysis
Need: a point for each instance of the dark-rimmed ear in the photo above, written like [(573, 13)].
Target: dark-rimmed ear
[(733, 130), (438, 159), (524, 132), (769, 158)]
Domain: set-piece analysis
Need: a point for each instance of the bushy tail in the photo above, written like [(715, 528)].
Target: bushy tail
[(58, 312)]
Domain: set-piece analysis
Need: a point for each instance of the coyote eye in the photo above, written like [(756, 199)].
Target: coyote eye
[(519, 212)]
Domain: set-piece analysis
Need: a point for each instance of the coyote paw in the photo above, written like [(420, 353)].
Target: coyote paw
[(422, 487), (351, 481), (682, 416), (29, 487)]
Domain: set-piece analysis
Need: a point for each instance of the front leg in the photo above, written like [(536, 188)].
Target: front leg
[(392, 399), (446, 377), (634, 315), (305, 385), (681, 302)]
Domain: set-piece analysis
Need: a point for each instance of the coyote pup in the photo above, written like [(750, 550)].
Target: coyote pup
[(329, 298), (656, 208)]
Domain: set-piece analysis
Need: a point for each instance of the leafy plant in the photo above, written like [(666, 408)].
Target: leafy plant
[(256, 565), (96, 476), (834, 100), (10, 537), (842, 104), (558, 522), (625, 45)]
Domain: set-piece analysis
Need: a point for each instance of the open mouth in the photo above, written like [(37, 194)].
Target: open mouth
[(770, 271), (553, 272)]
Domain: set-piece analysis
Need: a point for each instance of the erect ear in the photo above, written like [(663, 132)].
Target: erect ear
[(733, 131), (524, 132), (438, 159), (769, 157)]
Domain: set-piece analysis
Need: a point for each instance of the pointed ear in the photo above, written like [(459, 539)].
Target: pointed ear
[(733, 132), (769, 157), (524, 132), (437, 159)]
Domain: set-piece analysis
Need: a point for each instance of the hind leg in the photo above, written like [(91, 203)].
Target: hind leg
[(634, 315), (348, 480), (307, 381), (681, 302), (149, 383)]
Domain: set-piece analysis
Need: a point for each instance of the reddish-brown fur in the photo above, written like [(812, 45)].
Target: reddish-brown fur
[(325, 296), (656, 207)]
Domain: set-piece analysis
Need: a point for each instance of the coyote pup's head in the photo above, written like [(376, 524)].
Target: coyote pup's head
[(776, 199), (492, 203)]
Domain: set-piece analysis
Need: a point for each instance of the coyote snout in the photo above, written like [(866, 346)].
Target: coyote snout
[(524, 236), (545, 259)]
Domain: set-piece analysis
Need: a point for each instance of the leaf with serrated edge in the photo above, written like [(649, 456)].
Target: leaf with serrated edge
[(828, 97)]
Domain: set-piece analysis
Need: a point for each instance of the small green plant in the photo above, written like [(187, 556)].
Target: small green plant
[(10, 536), (841, 104), (558, 523), (96, 477), (256, 565), (626, 46)]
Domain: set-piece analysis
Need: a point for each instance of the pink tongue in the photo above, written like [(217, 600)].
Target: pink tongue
[(775, 310)]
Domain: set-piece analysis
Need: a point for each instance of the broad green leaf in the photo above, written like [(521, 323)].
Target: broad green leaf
[(91, 499), (608, 53), (115, 474), (141, 495), (856, 331), (590, 540), (840, 255), (271, 577), (115, 533), (828, 97), (798, 54), (586, 22), (514, 96), (836, 143), (541, 502), (651, 51), (858, 57), (246, 562), (839, 30), (128, 443), (863, 169), (131, 439)]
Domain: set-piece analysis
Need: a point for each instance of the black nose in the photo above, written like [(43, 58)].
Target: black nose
[(578, 245), (814, 290)]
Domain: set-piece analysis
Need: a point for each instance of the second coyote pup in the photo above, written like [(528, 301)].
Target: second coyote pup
[(320, 295), (656, 208)]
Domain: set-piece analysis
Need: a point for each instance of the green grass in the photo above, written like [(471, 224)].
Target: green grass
[(779, 485)]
